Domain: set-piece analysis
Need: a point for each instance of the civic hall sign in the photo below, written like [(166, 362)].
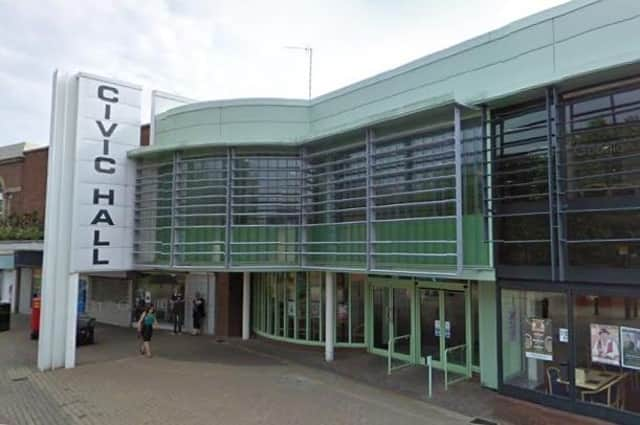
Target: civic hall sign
[(108, 126), (90, 197)]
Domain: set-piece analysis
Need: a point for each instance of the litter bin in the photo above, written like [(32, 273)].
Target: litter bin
[(85, 330), (5, 316)]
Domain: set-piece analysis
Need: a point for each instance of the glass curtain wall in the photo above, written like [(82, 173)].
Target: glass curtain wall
[(153, 211), (291, 305), (200, 209), (600, 159), (414, 201), (520, 191), (353, 202), (265, 209), (334, 203)]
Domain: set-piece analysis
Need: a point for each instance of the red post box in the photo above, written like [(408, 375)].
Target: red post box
[(35, 317)]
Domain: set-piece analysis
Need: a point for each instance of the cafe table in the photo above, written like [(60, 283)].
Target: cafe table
[(592, 379)]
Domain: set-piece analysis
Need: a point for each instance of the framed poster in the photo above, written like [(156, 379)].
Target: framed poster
[(538, 339), (630, 344), (605, 344)]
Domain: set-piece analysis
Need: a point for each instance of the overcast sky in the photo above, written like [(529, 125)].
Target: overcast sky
[(219, 49)]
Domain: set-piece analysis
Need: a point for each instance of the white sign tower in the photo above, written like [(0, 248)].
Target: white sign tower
[(90, 198)]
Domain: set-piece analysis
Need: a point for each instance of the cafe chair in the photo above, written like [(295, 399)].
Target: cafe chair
[(553, 386), (611, 395)]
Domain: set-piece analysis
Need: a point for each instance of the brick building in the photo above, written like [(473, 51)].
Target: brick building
[(23, 181)]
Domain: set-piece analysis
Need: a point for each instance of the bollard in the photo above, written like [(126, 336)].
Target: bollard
[(429, 381)]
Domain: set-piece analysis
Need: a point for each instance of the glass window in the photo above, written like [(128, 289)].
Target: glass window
[(342, 308), (520, 188), (357, 308), (601, 150), (302, 298), (291, 305), (316, 304), (535, 348), (607, 338)]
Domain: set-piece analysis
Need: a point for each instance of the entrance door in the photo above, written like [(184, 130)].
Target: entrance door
[(392, 318), (445, 328)]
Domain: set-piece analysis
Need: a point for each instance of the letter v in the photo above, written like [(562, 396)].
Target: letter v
[(107, 133)]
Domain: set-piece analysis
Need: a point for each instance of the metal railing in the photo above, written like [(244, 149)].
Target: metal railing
[(445, 364), (390, 349)]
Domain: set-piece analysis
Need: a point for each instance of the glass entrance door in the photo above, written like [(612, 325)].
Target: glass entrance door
[(392, 317), (455, 322), (381, 310), (445, 328), (430, 323)]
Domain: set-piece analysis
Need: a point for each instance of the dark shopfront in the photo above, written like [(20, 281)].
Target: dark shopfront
[(565, 206)]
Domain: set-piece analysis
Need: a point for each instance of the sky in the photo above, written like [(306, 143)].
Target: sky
[(222, 49)]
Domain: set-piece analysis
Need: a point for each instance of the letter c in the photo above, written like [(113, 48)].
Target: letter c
[(99, 168), (103, 89)]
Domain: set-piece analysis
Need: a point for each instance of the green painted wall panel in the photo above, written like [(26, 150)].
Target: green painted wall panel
[(488, 334)]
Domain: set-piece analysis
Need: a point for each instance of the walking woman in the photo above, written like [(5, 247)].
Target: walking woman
[(145, 329)]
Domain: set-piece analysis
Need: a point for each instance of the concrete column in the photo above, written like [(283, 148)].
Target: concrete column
[(330, 315), (246, 304)]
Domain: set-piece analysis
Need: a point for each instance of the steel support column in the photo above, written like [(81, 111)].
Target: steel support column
[(174, 190), (229, 216), (246, 304), (330, 314), (370, 213), (561, 232), (550, 182), (457, 136), (302, 230)]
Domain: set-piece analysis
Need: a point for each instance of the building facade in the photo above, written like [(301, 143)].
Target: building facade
[(23, 178), (477, 207)]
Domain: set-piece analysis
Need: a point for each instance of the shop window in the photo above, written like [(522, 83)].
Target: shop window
[(607, 338), (535, 343)]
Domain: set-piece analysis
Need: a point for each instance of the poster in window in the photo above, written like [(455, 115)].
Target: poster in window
[(630, 338), (538, 340), (605, 344)]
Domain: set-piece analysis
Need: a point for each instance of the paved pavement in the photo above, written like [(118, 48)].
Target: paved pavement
[(230, 385), (202, 380)]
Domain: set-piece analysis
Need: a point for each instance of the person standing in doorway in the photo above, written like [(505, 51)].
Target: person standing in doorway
[(198, 313), (177, 311), (145, 329)]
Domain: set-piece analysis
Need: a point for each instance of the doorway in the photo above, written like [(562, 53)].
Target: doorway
[(392, 318), (423, 319), (445, 326)]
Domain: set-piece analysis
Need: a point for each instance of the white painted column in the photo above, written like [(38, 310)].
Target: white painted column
[(59, 294), (246, 304), (211, 303), (330, 315)]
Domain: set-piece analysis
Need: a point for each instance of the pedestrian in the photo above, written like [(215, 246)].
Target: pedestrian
[(145, 329), (198, 313), (176, 303)]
